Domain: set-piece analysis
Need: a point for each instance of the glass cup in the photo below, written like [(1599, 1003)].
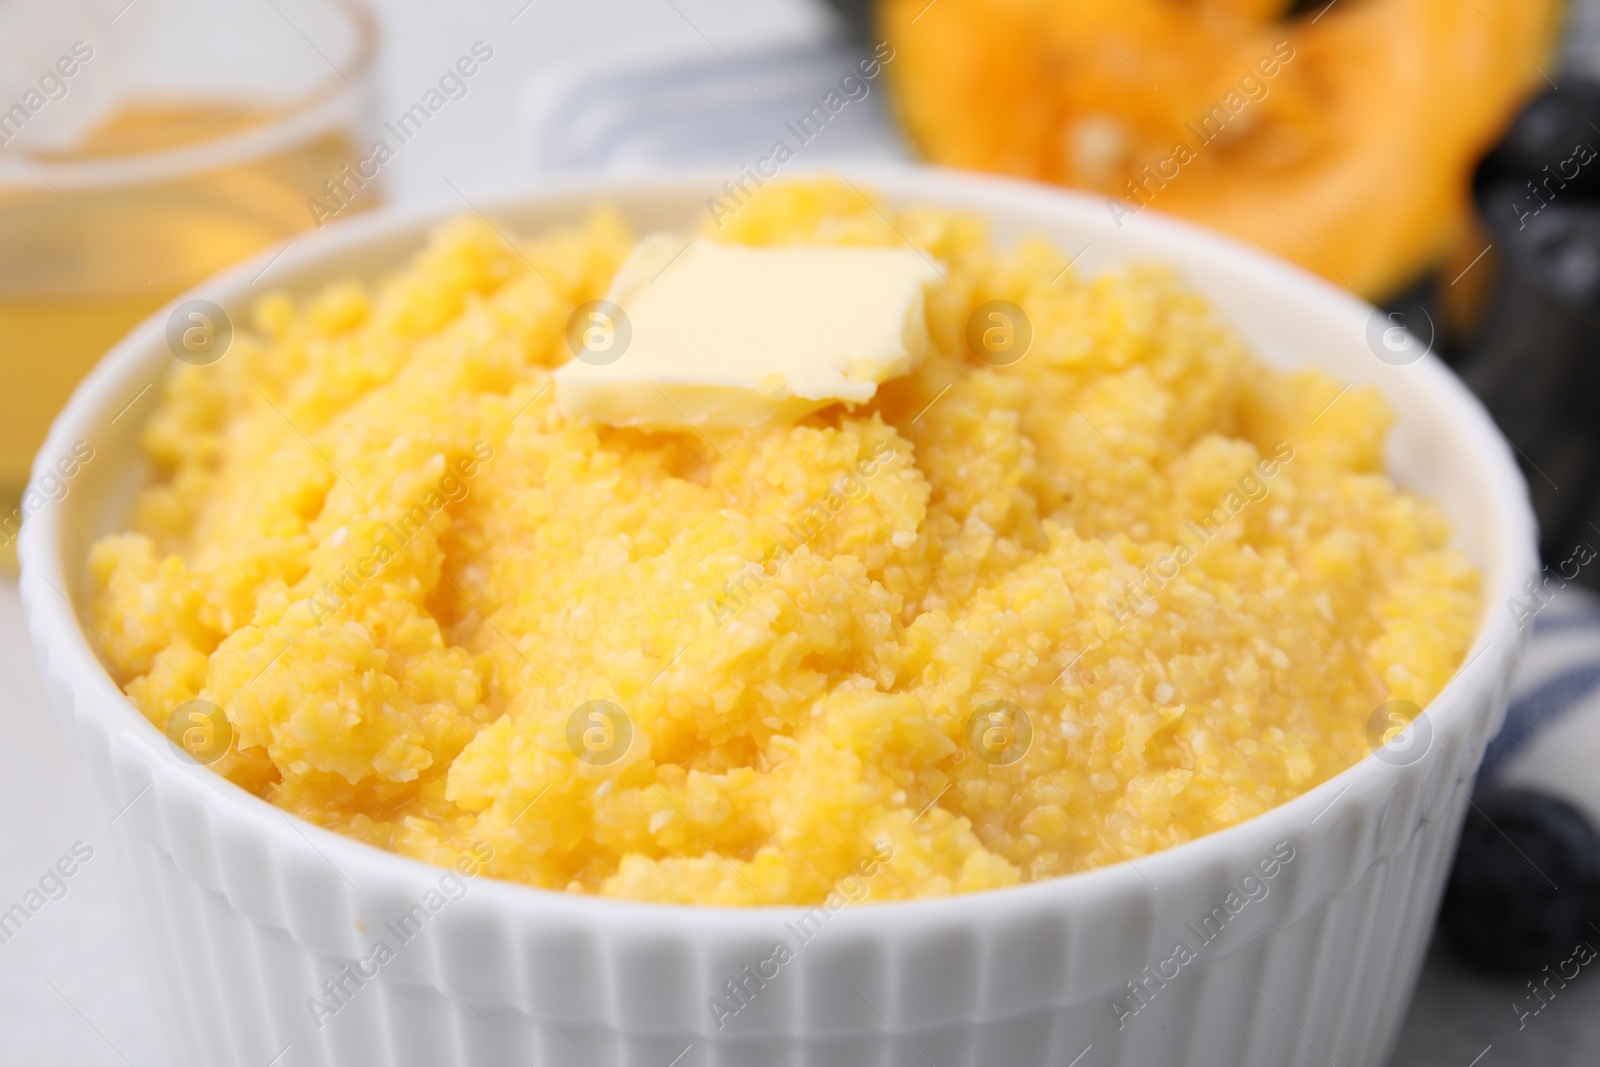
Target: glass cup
[(144, 146)]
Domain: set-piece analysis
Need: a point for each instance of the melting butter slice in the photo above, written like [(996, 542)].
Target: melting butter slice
[(729, 335)]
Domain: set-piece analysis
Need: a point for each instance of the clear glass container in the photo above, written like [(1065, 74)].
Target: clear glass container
[(144, 146)]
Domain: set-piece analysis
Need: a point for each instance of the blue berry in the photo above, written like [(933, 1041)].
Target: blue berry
[(1526, 881)]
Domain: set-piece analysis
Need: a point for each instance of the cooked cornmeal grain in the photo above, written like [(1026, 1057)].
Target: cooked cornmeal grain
[(1001, 623)]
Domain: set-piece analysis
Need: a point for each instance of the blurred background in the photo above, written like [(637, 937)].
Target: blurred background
[(1440, 158)]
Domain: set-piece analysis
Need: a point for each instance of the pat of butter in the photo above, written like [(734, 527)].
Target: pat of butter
[(714, 335)]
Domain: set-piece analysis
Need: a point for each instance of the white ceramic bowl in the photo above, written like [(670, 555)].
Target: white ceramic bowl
[(246, 911)]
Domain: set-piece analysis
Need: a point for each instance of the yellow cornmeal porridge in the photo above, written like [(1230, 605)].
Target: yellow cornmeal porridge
[(373, 542)]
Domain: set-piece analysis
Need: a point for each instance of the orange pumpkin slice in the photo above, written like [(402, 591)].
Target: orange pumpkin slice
[(1341, 138)]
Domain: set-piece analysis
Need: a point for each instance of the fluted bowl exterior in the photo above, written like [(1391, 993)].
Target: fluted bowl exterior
[(249, 915)]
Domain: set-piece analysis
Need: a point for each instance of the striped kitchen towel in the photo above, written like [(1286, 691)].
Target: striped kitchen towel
[(1551, 738), (818, 93)]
